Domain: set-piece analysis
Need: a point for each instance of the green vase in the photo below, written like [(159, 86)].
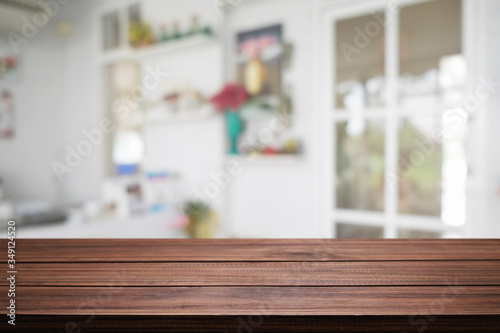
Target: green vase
[(233, 128)]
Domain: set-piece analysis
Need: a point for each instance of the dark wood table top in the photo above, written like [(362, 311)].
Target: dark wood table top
[(383, 279)]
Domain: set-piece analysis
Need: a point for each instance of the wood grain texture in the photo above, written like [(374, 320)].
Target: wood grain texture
[(290, 301), (207, 285), (177, 250), (381, 273)]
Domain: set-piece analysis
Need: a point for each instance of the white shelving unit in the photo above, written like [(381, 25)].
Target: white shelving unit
[(167, 136), (138, 54)]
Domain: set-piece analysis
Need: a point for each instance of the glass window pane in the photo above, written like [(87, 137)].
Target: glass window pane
[(359, 62), (433, 167), (360, 165), (345, 230), (407, 233), (431, 64)]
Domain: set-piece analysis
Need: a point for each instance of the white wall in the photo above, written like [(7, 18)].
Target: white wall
[(492, 52), (277, 199), (83, 100), (25, 159)]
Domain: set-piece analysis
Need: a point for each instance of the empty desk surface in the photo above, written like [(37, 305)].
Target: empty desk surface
[(246, 285)]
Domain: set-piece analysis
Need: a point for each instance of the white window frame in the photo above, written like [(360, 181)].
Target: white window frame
[(390, 220)]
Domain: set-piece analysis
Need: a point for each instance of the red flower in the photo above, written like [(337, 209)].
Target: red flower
[(10, 61), (232, 96)]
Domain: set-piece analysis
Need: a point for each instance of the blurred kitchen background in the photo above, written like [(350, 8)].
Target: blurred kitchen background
[(250, 118)]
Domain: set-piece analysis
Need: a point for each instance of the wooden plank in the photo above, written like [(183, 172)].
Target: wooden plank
[(136, 250), (260, 274), (247, 324), (295, 301)]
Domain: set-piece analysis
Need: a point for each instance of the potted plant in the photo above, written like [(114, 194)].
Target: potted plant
[(201, 219), (229, 100)]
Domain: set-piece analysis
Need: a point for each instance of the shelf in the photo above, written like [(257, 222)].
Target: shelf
[(279, 159), (128, 53), (179, 119), (206, 112), (170, 120)]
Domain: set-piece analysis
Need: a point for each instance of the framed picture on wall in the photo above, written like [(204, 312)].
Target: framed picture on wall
[(10, 69), (259, 61), (6, 114)]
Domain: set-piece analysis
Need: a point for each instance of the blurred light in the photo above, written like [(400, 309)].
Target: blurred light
[(125, 76), (128, 148), (452, 71), (356, 126), (454, 196)]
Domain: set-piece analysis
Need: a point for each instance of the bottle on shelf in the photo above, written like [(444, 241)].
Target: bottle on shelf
[(195, 26), (176, 34), (164, 36)]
